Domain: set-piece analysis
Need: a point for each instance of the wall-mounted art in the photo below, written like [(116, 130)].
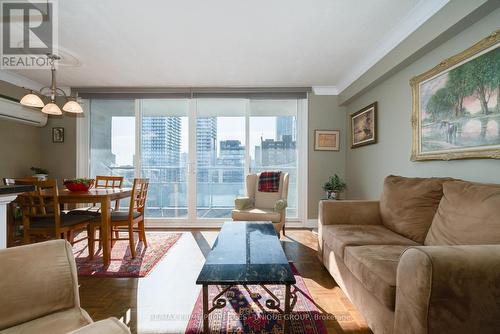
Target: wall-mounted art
[(364, 126), (326, 140), (456, 105), (58, 135)]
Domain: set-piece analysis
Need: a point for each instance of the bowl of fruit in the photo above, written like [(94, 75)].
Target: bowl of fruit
[(78, 184)]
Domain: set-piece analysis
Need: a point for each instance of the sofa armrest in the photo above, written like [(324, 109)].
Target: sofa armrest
[(243, 203), (108, 326), (448, 289), (333, 212)]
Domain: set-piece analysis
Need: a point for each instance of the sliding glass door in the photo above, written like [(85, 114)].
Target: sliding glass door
[(196, 152)]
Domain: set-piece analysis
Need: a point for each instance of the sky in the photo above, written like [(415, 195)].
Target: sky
[(123, 134)]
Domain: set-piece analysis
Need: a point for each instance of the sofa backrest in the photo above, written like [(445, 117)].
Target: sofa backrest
[(265, 200), (36, 280), (408, 205), (468, 214)]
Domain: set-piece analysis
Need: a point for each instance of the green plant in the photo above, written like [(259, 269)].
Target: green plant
[(38, 170), (334, 184)]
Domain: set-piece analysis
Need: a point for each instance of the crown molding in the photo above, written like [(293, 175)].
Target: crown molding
[(422, 11), (19, 80), (325, 90)]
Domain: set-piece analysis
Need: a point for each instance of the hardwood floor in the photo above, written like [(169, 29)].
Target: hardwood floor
[(162, 301)]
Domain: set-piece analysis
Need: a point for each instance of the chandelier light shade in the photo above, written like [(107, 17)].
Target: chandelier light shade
[(73, 107), (51, 109), (32, 100)]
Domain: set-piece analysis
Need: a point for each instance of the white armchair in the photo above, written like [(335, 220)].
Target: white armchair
[(263, 206)]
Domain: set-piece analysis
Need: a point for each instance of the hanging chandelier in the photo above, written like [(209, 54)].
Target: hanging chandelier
[(51, 108)]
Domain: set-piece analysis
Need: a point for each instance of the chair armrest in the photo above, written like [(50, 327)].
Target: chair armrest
[(448, 289), (108, 326), (349, 212), (243, 203), (280, 205)]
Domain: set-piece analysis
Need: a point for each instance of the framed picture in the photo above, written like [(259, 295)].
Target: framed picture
[(326, 140), (456, 105), (58, 135), (364, 126)]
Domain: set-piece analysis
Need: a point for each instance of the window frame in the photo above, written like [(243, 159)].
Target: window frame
[(83, 162)]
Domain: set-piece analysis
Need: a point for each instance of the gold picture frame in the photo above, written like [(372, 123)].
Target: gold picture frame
[(327, 140), (446, 121), (364, 126)]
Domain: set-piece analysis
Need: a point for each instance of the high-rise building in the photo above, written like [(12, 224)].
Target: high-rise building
[(286, 126), (231, 161), (206, 146), (277, 152), (161, 147)]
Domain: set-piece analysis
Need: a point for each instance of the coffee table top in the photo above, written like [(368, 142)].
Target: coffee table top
[(246, 253)]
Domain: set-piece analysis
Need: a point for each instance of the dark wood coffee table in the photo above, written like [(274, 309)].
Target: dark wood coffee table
[(246, 253)]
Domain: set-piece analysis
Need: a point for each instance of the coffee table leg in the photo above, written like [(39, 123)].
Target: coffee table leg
[(287, 320), (205, 309)]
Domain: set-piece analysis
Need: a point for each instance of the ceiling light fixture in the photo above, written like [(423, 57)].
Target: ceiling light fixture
[(33, 100)]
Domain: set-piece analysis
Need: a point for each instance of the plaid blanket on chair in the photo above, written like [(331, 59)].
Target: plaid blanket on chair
[(269, 182)]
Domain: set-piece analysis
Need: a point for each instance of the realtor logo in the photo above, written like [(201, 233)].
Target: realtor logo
[(29, 33)]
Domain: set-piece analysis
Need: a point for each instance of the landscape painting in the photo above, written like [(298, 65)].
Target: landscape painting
[(457, 106)]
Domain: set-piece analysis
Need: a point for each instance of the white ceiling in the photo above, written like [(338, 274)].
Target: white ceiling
[(229, 42)]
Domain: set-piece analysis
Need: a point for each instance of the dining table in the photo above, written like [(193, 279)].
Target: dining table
[(103, 196)]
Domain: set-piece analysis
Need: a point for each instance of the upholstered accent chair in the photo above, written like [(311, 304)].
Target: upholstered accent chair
[(263, 206), (39, 289)]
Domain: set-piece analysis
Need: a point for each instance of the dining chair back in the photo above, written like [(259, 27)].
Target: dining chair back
[(139, 196), (42, 213), (108, 181)]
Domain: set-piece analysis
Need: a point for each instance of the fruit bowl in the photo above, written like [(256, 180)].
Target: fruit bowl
[(79, 184)]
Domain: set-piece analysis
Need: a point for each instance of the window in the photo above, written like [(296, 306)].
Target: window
[(196, 152)]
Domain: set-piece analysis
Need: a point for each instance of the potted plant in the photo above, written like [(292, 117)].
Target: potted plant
[(334, 187), (40, 173)]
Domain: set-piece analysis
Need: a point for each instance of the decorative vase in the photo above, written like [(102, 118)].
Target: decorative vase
[(41, 177), (332, 195)]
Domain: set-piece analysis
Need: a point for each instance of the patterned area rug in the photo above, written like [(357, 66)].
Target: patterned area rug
[(246, 311), (122, 264)]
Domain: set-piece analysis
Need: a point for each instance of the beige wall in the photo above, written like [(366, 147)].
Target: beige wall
[(367, 166), (59, 158), (324, 114), (19, 149)]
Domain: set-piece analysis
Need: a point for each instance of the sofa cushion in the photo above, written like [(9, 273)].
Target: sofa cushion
[(408, 205), (467, 215), (55, 323), (338, 237), (375, 267), (255, 214)]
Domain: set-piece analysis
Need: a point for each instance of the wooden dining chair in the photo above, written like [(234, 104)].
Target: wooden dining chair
[(42, 214), (134, 216), (14, 220)]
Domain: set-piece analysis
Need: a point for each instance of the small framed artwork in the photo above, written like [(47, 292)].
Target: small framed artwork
[(58, 135), (326, 140), (364, 126)]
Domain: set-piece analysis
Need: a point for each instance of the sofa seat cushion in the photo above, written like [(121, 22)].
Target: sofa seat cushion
[(467, 215), (55, 323), (254, 214), (108, 326), (338, 237), (376, 267), (408, 205)]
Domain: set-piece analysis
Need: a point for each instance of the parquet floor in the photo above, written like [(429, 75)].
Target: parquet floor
[(162, 301)]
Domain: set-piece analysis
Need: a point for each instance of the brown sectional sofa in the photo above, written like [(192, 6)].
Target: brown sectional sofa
[(423, 259)]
